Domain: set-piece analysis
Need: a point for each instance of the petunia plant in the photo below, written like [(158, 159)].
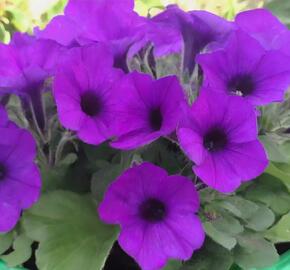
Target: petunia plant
[(132, 142)]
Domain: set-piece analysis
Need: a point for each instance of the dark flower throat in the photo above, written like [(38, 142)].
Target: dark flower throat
[(155, 119), (242, 85), (152, 210), (2, 172), (215, 140), (91, 103)]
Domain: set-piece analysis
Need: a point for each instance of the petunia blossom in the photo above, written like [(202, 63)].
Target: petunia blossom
[(243, 67), (101, 20), (112, 22), (19, 176), (145, 109), (83, 92), (25, 65), (219, 134), (156, 213), (262, 25), (175, 30)]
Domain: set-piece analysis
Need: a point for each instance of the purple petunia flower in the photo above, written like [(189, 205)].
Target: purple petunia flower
[(83, 92), (19, 175), (101, 20), (175, 30), (145, 109), (97, 26), (219, 134), (25, 65), (156, 214), (243, 67), (266, 28), (262, 25)]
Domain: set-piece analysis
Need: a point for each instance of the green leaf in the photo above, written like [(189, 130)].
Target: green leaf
[(173, 265), (70, 234), (262, 219), (235, 267), (219, 237), (100, 152), (239, 206), (281, 231), (227, 224), (6, 241), (274, 149), (21, 251), (253, 251), (102, 178), (284, 177), (166, 154), (269, 190), (70, 174), (3, 266), (210, 256), (68, 159)]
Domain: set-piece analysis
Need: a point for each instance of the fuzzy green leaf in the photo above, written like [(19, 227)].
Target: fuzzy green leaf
[(239, 206), (282, 175), (269, 190), (21, 251), (173, 265), (219, 237), (102, 178), (210, 256), (228, 224), (253, 251), (281, 231), (262, 219), (70, 233), (6, 241)]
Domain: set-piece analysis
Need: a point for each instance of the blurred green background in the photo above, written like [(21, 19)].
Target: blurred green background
[(24, 15)]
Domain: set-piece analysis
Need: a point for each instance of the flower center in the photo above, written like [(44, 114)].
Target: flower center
[(215, 140), (2, 172), (91, 103), (153, 210), (242, 85), (155, 119)]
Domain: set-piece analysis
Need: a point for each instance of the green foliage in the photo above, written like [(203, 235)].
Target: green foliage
[(282, 175), (102, 178), (281, 231), (3, 266), (172, 265), (6, 241), (262, 219), (21, 251), (276, 151), (270, 190), (237, 225), (238, 206), (211, 256), (222, 238), (15, 248), (69, 232), (254, 251)]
